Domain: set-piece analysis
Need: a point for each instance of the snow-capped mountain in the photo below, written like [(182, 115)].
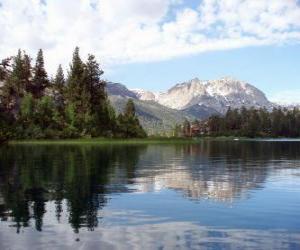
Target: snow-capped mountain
[(217, 95)]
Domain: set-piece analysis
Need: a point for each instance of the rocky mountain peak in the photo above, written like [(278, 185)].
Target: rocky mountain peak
[(217, 94)]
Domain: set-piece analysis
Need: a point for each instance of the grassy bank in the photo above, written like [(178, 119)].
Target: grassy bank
[(101, 141), (151, 140)]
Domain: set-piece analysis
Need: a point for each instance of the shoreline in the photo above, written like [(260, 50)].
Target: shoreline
[(118, 141), (104, 141)]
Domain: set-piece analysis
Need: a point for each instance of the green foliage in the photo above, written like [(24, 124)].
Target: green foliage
[(40, 80), (128, 124), (59, 90), (27, 108), (32, 107), (5, 127), (4, 64), (15, 83), (256, 123)]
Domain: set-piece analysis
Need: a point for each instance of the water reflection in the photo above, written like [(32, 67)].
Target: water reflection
[(215, 170), (30, 176), (73, 184)]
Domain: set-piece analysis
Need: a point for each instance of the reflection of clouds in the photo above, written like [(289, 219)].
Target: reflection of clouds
[(194, 172), (140, 231)]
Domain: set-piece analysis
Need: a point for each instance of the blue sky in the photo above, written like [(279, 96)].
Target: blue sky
[(155, 44), (273, 69)]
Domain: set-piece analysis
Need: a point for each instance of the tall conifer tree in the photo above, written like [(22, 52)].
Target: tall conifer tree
[(59, 89), (40, 79), (14, 87), (77, 92)]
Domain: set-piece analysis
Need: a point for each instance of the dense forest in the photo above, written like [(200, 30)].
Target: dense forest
[(246, 122), (33, 106)]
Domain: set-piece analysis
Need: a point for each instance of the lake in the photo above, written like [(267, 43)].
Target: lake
[(210, 195)]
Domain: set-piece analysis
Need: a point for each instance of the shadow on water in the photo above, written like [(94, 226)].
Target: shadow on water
[(85, 176)]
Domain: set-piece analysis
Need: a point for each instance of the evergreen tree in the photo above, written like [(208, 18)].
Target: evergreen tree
[(59, 89), (14, 86), (265, 122), (95, 90), (78, 94), (129, 124), (253, 125), (75, 79), (129, 109), (27, 71), (40, 79), (215, 125), (4, 71), (5, 126), (27, 109)]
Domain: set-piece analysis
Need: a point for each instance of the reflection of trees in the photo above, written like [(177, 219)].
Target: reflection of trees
[(33, 175), (80, 177)]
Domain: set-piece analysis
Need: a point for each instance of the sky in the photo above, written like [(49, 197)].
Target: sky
[(155, 44)]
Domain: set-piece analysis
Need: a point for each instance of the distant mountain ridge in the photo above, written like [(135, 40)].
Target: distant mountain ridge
[(213, 94), (194, 99)]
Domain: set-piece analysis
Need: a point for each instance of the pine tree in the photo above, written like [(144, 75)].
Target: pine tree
[(129, 109), (129, 124), (265, 122), (4, 68), (40, 79), (14, 87), (27, 71), (77, 92), (5, 126), (95, 91), (75, 78), (59, 89), (95, 84)]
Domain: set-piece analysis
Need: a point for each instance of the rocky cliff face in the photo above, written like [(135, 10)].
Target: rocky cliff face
[(216, 95)]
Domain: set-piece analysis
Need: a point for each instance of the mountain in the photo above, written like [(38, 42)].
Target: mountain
[(154, 117), (194, 99), (213, 95), (118, 89)]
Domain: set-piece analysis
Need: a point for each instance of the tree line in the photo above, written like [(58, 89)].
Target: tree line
[(280, 122), (34, 106), (257, 123)]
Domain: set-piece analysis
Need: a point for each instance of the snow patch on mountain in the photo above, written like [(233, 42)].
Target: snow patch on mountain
[(216, 94)]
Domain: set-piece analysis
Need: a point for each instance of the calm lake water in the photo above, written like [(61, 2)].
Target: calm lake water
[(211, 195)]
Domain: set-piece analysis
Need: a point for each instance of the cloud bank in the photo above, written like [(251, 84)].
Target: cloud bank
[(123, 31)]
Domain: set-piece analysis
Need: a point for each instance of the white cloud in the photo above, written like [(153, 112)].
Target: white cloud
[(121, 31), (286, 97)]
